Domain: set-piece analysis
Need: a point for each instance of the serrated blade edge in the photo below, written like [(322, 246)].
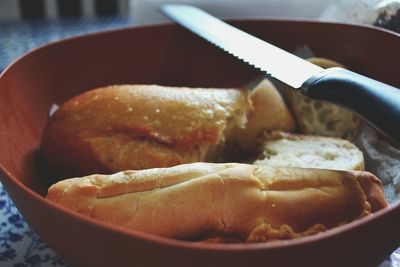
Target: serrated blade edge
[(275, 61)]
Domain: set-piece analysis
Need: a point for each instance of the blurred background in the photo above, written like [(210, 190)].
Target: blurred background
[(40, 9), (143, 10)]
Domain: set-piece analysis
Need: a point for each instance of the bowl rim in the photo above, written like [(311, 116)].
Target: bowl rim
[(136, 234), (172, 24)]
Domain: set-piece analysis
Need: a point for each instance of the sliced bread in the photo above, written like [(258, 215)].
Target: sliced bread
[(307, 151)]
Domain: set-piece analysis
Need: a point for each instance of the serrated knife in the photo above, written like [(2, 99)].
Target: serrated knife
[(375, 102)]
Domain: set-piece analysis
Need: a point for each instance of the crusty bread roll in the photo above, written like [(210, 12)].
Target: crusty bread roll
[(308, 151), (322, 118), (126, 127), (139, 126), (234, 201), (267, 111)]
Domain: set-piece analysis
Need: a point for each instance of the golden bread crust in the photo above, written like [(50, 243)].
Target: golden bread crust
[(127, 127), (238, 201), (139, 126), (267, 111)]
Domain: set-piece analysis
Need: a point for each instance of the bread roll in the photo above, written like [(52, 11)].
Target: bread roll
[(267, 111), (308, 151), (234, 201), (322, 118), (139, 126), (126, 127)]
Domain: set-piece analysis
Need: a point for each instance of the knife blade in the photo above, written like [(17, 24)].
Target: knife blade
[(377, 103)]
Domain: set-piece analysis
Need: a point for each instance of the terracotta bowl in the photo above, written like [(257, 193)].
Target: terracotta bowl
[(169, 55)]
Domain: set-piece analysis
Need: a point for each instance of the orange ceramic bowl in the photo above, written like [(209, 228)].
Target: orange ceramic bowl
[(169, 55)]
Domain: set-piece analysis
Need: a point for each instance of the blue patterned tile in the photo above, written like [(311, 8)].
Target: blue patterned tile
[(18, 37), (20, 246)]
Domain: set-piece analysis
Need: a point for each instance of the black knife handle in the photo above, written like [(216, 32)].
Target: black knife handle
[(375, 102)]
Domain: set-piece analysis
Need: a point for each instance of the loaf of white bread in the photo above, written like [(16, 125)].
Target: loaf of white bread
[(246, 203), (129, 127)]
